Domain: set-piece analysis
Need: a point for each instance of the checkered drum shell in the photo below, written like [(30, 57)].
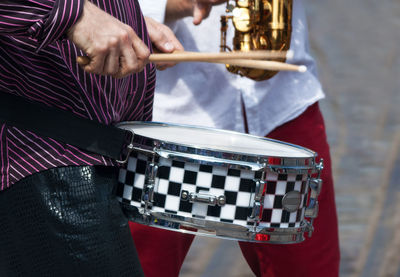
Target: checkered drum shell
[(236, 185)]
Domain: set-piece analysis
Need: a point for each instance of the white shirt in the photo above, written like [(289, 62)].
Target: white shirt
[(208, 95)]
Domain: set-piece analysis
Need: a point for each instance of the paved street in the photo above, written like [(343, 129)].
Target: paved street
[(357, 46)]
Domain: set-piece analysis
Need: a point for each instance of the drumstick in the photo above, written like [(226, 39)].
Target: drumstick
[(186, 56), (258, 64), (264, 65), (232, 58)]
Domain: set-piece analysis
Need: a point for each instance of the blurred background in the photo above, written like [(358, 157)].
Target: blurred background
[(356, 44)]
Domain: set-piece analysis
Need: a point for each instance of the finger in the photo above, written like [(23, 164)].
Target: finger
[(134, 55), (197, 17), (200, 12), (111, 64), (176, 47), (164, 46), (96, 64), (127, 63), (157, 35), (163, 66), (168, 43), (142, 52), (162, 43), (162, 37), (172, 39)]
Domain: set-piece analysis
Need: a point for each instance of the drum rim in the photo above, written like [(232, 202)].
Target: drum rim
[(231, 231), (285, 162)]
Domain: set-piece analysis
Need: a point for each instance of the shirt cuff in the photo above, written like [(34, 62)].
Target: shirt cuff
[(154, 9), (52, 27)]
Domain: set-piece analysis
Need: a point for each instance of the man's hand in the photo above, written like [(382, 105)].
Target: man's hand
[(112, 46), (202, 9), (163, 40), (199, 9)]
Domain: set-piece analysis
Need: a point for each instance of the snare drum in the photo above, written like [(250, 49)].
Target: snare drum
[(219, 183)]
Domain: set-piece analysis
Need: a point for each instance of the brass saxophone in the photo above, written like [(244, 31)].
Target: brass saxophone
[(259, 25)]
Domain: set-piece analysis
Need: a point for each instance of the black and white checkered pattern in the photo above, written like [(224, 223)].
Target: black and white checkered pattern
[(236, 185), (277, 185)]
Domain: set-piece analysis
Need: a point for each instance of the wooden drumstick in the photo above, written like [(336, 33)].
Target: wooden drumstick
[(264, 65), (232, 58), (186, 56)]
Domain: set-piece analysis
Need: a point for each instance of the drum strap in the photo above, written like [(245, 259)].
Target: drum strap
[(62, 126)]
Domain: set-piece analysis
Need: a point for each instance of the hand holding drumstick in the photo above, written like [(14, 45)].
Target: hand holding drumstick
[(114, 49), (243, 59), (165, 41)]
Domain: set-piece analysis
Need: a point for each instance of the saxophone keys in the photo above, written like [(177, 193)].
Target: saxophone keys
[(241, 19)]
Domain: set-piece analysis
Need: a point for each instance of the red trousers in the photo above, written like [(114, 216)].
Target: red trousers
[(162, 252)]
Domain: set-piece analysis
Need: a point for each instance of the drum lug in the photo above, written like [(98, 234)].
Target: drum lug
[(309, 227), (312, 208), (315, 185), (150, 178), (204, 198), (315, 189), (259, 192), (319, 167), (256, 212)]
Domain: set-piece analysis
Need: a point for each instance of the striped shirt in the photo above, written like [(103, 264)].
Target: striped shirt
[(39, 63)]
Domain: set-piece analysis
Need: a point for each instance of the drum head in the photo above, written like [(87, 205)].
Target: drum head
[(217, 140)]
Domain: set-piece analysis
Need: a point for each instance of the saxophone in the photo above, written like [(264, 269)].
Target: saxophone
[(259, 25)]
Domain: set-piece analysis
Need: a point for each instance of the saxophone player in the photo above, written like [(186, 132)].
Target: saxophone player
[(284, 107)]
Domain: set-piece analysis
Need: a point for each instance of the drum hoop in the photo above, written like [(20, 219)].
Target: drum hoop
[(223, 229), (186, 152)]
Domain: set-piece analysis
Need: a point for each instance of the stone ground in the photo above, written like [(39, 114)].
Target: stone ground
[(356, 45)]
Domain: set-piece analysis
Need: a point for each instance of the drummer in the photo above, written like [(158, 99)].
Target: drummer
[(284, 108), (58, 213)]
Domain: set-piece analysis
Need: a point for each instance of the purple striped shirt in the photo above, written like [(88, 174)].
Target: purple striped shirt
[(39, 63)]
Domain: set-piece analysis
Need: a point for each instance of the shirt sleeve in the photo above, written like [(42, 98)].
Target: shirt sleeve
[(154, 9), (43, 20)]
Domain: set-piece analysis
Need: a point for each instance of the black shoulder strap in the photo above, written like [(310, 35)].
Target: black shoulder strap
[(62, 126)]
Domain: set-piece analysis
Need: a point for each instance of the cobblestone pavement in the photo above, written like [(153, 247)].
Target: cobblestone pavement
[(357, 47)]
